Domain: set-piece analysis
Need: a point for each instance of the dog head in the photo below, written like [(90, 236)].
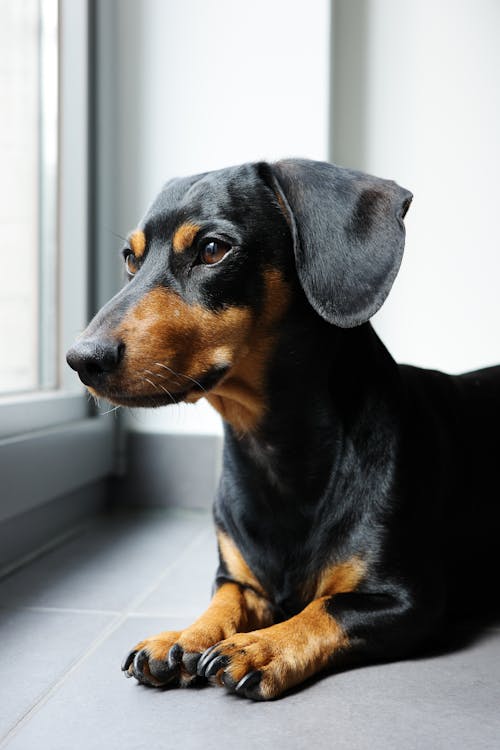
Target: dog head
[(215, 265)]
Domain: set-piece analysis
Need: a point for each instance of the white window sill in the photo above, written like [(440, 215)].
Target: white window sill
[(40, 466), (27, 412)]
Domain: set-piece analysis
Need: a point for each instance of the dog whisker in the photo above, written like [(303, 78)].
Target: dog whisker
[(181, 375), (115, 408), (163, 377), (95, 399), (115, 234), (171, 396), (155, 401), (159, 385), (151, 383)]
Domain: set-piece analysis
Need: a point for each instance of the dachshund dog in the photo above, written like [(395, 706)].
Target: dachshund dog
[(359, 499)]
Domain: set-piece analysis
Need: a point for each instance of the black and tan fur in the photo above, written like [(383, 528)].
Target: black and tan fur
[(359, 500)]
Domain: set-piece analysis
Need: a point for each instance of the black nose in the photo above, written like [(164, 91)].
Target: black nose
[(94, 359)]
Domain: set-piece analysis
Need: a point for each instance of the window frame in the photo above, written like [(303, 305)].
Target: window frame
[(61, 425)]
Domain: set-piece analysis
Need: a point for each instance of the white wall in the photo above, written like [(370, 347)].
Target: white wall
[(417, 99), (202, 84), (205, 83)]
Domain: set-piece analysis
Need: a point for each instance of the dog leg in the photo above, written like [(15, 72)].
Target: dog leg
[(261, 665), (264, 663)]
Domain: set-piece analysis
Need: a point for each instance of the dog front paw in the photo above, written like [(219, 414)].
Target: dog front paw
[(253, 665), (168, 659), (149, 662)]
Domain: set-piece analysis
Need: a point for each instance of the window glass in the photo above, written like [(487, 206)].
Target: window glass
[(28, 194)]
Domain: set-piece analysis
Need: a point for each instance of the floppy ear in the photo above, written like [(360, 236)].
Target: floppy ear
[(348, 236)]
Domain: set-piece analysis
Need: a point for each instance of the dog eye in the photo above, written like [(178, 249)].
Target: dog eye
[(131, 264), (214, 251)]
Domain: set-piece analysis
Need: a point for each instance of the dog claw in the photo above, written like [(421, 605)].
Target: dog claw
[(246, 686), (128, 661), (137, 668), (140, 659), (228, 681), (191, 661), (218, 662), (205, 658), (175, 655)]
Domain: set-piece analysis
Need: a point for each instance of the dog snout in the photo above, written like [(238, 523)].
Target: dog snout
[(94, 359)]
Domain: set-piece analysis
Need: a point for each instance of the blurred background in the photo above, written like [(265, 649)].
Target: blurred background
[(102, 101)]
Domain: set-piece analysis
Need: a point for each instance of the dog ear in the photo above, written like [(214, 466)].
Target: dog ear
[(348, 236)]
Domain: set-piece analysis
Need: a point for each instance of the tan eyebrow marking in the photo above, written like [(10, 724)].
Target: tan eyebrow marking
[(138, 243), (184, 236)]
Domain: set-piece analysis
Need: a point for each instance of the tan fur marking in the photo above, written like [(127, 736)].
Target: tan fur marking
[(259, 612), (137, 243), (287, 653), (162, 333), (340, 578), (235, 563), (226, 614), (164, 329), (221, 355), (240, 398), (184, 236)]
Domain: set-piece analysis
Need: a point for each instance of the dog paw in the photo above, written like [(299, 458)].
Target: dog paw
[(252, 665), (168, 659)]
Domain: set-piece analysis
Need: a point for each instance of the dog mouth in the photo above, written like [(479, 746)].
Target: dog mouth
[(161, 395), (149, 400)]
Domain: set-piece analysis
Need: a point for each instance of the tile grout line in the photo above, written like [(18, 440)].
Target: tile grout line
[(175, 614), (94, 645), (60, 610)]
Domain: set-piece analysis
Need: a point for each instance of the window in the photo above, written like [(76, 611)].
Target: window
[(43, 209), (28, 194), (49, 445)]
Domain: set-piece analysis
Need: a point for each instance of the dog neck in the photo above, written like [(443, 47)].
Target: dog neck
[(318, 389)]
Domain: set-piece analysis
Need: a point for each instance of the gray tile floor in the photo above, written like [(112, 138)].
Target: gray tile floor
[(67, 619)]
